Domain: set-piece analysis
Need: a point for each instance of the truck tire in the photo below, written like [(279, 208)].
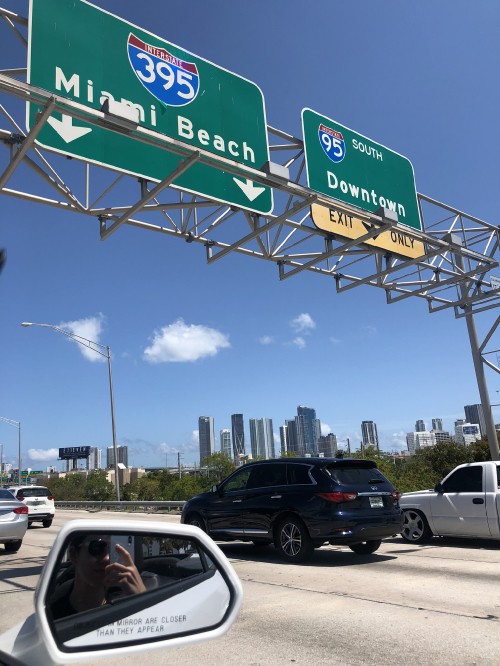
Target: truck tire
[(415, 528), (366, 547)]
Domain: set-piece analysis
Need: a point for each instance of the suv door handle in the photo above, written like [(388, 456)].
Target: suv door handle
[(276, 496), (236, 501), (478, 500)]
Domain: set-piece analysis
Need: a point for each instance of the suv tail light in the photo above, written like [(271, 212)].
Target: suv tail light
[(338, 497), (396, 495), (21, 509), (50, 497), (20, 497)]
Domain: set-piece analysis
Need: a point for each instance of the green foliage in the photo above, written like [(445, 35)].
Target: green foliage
[(97, 487), (70, 488), (219, 466), (290, 454)]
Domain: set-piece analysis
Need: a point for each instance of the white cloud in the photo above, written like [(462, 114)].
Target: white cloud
[(399, 440), (89, 328), (325, 429), (180, 342), (195, 437), (299, 342), (304, 323), (334, 341), (43, 454), (267, 340)]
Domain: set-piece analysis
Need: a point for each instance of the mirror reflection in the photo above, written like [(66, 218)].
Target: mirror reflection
[(121, 588)]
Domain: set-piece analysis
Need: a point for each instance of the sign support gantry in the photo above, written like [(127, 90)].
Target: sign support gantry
[(451, 268)]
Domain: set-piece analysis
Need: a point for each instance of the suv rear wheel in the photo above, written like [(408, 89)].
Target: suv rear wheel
[(292, 540), (47, 522), (366, 547)]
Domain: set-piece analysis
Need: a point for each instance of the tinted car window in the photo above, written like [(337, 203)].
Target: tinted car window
[(299, 474), (465, 480), (34, 492), (353, 476), (238, 481), (263, 476), (5, 494)]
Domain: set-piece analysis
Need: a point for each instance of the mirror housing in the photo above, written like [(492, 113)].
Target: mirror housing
[(438, 488), (168, 585)]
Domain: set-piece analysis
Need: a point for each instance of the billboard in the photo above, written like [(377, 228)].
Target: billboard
[(74, 452)]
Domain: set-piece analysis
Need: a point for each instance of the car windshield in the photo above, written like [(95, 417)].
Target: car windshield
[(350, 476)]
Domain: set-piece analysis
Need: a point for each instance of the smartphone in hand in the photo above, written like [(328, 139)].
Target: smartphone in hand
[(124, 540)]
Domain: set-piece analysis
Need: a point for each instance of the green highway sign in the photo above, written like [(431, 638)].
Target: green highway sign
[(357, 171), (83, 53)]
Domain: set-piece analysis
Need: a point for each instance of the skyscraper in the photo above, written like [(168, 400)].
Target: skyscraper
[(262, 438), (94, 461), (474, 414), (206, 436), (225, 442), (291, 437), (122, 452), (369, 434), (284, 439), (308, 430), (238, 435), (327, 446), (437, 424), (420, 426)]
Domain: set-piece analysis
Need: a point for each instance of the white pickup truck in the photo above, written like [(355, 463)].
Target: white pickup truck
[(466, 503)]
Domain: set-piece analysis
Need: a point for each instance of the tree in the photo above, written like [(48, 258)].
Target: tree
[(97, 487), (219, 466)]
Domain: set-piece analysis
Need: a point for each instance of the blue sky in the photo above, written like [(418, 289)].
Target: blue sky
[(191, 339)]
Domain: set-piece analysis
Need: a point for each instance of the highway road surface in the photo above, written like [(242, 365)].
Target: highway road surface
[(404, 605)]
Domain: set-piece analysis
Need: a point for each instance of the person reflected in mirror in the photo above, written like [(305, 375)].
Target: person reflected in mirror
[(94, 576)]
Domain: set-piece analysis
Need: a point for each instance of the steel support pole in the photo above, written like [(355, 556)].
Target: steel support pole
[(477, 358), (115, 448)]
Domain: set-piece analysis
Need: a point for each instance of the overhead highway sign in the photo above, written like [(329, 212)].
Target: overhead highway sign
[(357, 171), (87, 55)]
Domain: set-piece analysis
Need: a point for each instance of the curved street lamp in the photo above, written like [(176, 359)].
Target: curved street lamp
[(93, 345), (16, 424)]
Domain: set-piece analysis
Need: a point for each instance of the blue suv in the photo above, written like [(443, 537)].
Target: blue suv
[(300, 504)]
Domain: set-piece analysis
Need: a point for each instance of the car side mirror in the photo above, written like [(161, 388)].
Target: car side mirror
[(126, 587), (439, 488)]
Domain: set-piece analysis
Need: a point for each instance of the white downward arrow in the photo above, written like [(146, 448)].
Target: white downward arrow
[(249, 189), (66, 130)]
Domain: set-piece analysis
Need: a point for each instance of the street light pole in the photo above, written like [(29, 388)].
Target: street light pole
[(17, 424), (88, 343)]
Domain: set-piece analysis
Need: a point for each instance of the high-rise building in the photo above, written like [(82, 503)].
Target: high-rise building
[(419, 440), (292, 441), (466, 433), (441, 436), (369, 434), (420, 426), (437, 424), (94, 461), (284, 439), (262, 438), (327, 446), (122, 452), (225, 442), (308, 430), (474, 414), (206, 436), (238, 432)]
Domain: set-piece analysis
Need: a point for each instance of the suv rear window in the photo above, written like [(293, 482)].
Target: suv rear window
[(355, 476), (34, 492)]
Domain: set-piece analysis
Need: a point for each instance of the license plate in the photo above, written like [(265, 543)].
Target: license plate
[(376, 502)]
